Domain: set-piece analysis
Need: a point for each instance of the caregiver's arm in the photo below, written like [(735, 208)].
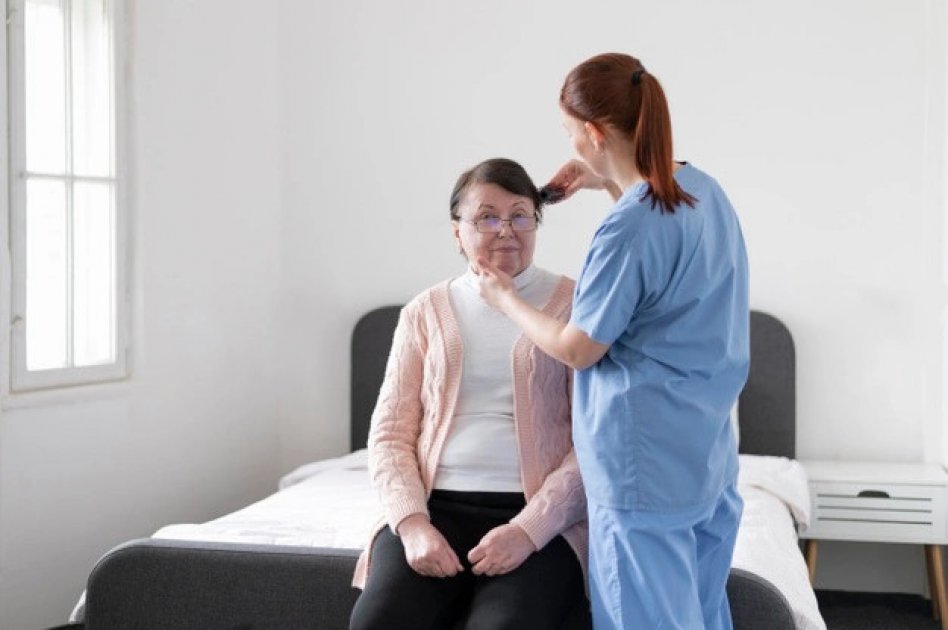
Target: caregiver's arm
[(562, 341)]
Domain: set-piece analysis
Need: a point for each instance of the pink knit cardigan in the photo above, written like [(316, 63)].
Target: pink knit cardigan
[(416, 406)]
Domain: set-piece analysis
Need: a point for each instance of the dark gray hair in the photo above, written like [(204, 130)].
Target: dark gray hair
[(502, 172)]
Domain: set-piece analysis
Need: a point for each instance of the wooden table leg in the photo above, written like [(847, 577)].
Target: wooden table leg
[(930, 565), (936, 576), (811, 553)]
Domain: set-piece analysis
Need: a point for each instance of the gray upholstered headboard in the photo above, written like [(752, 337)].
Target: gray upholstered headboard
[(767, 409), (371, 341)]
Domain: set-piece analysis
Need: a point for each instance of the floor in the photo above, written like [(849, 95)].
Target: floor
[(875, 611)]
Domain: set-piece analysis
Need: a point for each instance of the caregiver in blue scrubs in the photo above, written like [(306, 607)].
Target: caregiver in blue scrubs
[(659, 341)]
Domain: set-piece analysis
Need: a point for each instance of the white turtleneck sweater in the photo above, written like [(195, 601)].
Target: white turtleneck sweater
[(480, 453)]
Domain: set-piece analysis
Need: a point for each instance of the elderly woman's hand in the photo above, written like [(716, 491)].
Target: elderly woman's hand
[(426, 550), (501, 550), (495, 285)]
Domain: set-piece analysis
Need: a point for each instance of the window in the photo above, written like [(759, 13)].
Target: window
[(66, 199)]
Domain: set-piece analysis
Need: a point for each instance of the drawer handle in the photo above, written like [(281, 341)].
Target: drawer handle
[(873, 494)]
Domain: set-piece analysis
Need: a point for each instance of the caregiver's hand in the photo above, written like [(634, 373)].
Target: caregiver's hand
[(501, 550), (495, 285), (576, 175), (426, 550)]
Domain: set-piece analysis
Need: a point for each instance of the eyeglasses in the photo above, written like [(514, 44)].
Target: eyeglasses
[(493, 225)]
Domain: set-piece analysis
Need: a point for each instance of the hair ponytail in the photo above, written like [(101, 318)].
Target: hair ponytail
[(652, 140), (616, 90)]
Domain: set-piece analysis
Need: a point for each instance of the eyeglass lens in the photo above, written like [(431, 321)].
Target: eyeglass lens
[(495, 224)]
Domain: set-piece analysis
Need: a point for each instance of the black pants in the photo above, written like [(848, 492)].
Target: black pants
[(540, 593)]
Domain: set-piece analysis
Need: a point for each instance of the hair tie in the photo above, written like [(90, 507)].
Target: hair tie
[(637, 76)]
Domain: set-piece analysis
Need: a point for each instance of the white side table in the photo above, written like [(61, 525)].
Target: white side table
[(881, 502)]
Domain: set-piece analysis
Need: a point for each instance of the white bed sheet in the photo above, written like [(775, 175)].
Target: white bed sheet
[(776, 498), (331, 503)]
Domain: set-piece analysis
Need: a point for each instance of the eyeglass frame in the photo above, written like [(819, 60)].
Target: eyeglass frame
[(475, 223)]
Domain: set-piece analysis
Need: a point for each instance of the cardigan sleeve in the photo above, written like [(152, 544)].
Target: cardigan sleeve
[(560, 501), (396, 424), (559, 504)]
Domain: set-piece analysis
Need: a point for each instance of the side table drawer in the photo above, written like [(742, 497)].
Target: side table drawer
[(877, 512)]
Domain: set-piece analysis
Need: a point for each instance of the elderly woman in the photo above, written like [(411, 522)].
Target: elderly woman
[(470, 447)]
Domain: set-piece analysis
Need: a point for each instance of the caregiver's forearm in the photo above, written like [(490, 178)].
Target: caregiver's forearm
[(562, 341)]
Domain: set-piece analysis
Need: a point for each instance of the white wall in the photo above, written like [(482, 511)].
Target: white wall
[(819, 132), (824, 121), (292, 166), (193, 433)]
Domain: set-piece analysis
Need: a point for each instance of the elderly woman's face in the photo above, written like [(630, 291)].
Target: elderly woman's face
[(509, 250)]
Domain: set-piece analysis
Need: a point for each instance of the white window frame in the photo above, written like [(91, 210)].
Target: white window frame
[(21, 379)]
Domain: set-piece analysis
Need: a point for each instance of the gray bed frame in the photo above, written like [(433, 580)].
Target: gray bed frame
[(161, 584)]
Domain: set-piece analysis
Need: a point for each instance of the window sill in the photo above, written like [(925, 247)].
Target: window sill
[(60, 396)]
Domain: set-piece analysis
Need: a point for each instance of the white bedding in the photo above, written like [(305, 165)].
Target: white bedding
[(331, 503), (775, 495)]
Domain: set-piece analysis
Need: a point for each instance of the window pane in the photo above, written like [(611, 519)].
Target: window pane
[(94, 274), (45, 77), (46, 263), (91, 87)]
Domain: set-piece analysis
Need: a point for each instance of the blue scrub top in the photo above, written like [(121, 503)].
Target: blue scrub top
[(668, 294)]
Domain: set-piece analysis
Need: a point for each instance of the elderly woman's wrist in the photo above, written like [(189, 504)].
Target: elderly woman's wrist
[(411, 523), (532, 525)]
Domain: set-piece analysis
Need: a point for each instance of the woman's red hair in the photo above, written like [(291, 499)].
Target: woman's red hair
[(614, 89)]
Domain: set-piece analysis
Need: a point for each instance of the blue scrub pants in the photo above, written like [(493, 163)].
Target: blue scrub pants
[(661, 571)]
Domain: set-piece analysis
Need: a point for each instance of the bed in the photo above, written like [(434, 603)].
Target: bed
[(281, 564)]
